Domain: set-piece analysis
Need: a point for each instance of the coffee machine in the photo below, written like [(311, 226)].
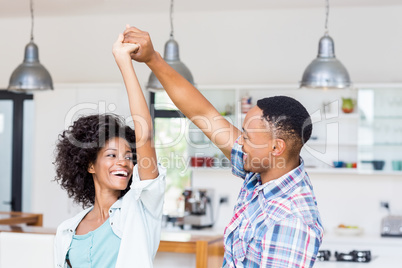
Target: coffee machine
[(198, 208)]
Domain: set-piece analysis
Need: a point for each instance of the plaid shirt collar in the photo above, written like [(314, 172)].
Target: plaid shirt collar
[(279, 186)]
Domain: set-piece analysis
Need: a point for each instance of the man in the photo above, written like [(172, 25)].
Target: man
[(276, 222)]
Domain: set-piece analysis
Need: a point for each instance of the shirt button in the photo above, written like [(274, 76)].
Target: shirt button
[(71, 230), (111, 223), (110, 211)]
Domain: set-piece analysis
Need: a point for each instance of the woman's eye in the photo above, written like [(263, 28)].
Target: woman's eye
[(129, 157), (111, 155)]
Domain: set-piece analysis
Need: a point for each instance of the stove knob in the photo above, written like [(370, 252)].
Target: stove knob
[(400, 229), (386, 229)]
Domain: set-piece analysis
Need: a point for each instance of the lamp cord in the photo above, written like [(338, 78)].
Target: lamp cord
[(326, 16), (32, 21), (171, 18)]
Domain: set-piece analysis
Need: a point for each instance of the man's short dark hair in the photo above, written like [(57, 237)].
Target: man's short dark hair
[(288, 119)]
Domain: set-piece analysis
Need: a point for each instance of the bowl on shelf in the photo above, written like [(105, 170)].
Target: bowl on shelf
[(377, 164), (338, 164), (396, 165)]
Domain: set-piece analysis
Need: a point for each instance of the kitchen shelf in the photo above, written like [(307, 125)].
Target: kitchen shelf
[(381, 172), (353, 116), (210, 169), (352, 171), (308, 169), (312, 170), (388, 117), (323, 143), (386, 144)]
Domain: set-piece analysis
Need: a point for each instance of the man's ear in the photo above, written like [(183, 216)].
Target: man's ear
[(278, 147), (91, 168)]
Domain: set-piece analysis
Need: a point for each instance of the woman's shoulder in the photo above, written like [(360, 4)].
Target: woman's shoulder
[(72, 223)]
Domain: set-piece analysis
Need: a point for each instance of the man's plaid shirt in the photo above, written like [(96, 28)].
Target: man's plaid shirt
[(276, 224)]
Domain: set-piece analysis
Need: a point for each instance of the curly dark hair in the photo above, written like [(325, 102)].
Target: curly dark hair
[(78, 147), (288, 118)]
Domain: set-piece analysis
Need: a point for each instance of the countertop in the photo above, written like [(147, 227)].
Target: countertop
[(385, 251), (362, 239), (376, 262), (205, 231)]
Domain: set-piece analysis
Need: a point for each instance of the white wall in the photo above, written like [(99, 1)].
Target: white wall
[(248, 47)]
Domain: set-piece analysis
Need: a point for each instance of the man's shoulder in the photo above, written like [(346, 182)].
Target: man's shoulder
[(304, 206), (300, 202), (293, 223)]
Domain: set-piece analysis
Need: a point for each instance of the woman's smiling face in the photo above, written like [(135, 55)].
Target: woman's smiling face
[(113, 166)]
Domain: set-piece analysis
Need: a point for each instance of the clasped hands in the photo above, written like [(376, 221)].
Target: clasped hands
[(145, 51)]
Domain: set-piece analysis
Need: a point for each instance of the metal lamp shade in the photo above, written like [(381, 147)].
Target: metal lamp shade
[(171, 56), (30, 75), (326, 72)]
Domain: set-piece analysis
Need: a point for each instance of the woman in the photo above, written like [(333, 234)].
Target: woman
[(95, 160)]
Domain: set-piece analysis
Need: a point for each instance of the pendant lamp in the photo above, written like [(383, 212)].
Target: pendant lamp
[(326, 71), (171, 56), (30, 75)]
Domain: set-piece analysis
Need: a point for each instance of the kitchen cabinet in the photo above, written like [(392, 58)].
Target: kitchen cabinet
[(372, 131), (380, 128), (334, 135)]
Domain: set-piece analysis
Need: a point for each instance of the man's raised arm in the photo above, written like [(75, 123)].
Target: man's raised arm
[(183, 94)]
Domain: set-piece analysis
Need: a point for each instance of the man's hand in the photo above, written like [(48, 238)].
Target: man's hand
[(135, 36)]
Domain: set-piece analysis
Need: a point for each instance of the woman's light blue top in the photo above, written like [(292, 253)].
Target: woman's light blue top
[(98, 248)]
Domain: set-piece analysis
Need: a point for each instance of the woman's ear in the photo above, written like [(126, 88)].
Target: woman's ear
[(278, 147), (91, 168)]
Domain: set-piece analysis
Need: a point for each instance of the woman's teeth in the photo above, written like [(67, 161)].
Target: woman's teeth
[(120, 173)]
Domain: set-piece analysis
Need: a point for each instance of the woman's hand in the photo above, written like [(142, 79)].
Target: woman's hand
[(122, 51)]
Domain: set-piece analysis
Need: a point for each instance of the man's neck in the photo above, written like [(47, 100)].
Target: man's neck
[(278, 171)]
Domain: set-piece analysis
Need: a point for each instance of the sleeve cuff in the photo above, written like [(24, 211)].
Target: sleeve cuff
[(237, 160), (139, 185)]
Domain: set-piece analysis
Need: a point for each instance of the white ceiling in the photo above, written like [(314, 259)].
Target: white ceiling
[(13, 8)]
